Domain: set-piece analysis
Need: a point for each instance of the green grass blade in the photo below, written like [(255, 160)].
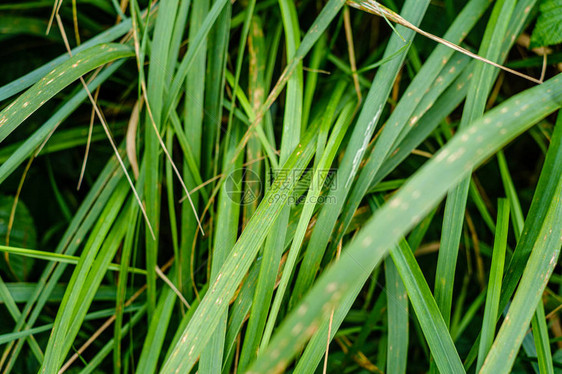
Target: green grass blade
[(131, 238), (397, 300), (156, 333), (517, 217), (60, 77), (57, 257), (218, 43), (197, 41), (433, 325), (157, 79), (494, 283), (542, 343), (31, 78), (34, 141), (16, 314)]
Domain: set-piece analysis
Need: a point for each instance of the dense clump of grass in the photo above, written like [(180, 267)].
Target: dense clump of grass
[(280, 186)]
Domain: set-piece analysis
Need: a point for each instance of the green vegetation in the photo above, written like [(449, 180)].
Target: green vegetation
[(281, 186)]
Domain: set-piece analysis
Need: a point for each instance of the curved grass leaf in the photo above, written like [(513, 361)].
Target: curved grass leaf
[(29, 79), (38, 137), (54, 82)]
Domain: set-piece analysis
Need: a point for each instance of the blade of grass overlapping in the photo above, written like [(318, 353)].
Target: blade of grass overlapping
[(189, 157), (186, 319), (311, 37), (131, 238), (426, 309), (538, 321), (542, 342), (193, 116), (228, 218), (518, 222), (97, 273), (56, 350), (39, 136), (31, 78), (465, 151), (55, 81), (494, 283), (440, 67), (95, 361), (274, 244), (433, 326), (444, 105), (329, 11), (449, 100), (316, 59), (6, 338), (257, 327), (241, 308), (156, 81), (397, 306), (360, 137), (81, 224), (521, 254), (218, 42), (266, 141), (16, 314), (228, 210), (198, 36), (544, 192), (157, 329), (206, 317), (474, 107), (318, 178), (315, 348), (50, 256), (256, 92), (519, 19), (211, 360), (545, 216)]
